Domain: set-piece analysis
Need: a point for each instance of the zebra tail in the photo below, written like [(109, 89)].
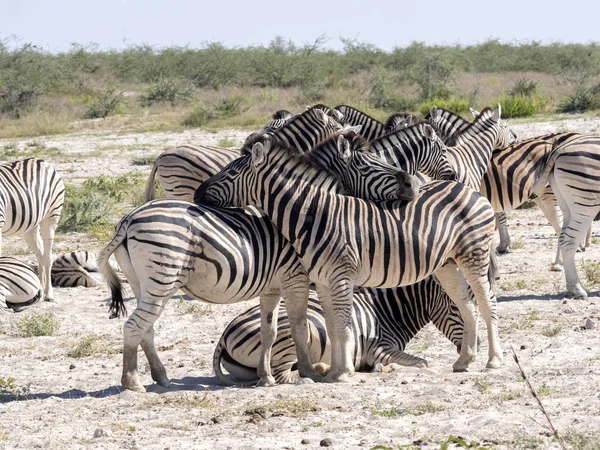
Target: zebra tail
[(149, 191), (218, 356), (117, 307)]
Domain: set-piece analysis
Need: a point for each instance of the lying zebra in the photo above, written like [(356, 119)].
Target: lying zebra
[(383, 321), (20, 286)]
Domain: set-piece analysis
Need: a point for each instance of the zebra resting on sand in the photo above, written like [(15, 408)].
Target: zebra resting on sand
[(20, 286), (223, 256), (383, 322), (31, 200), (344, 241)]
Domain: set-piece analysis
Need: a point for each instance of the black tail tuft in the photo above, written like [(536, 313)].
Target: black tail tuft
[(117, 307)]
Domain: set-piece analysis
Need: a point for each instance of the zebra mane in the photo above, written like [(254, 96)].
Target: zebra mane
[(403, 130), (444, 110), (479, 119), (392, 119), (351, 108), (357, 144)]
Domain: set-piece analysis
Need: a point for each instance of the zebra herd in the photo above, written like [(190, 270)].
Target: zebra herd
[(392, 222)]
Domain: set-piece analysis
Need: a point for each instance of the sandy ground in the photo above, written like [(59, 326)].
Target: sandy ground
[(70, 402)]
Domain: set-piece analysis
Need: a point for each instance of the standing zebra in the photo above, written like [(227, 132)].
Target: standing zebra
[(344, 241), (181, 170), (383, 322), (219, 256), (31, 200), (572, 171), (19, 285)]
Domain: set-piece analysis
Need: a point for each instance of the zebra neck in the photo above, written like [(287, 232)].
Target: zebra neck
[(399, 155)]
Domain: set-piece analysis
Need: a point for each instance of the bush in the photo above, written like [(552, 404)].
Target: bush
[(229, 107), (172, 90), (523, 87), (580, 100), (199, 117), (38, 324), (456, 105), (92, 205), (109, 103), (518, 106)]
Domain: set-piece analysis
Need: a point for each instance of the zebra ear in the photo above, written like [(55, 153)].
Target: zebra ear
[(355, 129), (336, 115), (258, 154), (433, 112), (497, 113), (343, 147), (475, 113), (409, 120), (429, 133)]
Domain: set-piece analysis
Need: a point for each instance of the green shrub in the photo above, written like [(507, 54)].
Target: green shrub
[(580, 100), (229, 107), (144, 160), (109, 103), (523, 87), (38, 324), (518, 107), (456, 105), (199, 117), (172, 90)]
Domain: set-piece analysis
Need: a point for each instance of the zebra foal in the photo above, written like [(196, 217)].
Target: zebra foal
[(383, 322), (344, 241), (31, 200)]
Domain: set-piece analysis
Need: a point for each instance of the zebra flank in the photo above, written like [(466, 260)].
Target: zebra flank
[(20, 286), (31, 200), (383, 322)]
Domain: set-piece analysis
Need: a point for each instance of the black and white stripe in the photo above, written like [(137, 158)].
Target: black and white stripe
[(31, 200), (383, 322), (20, 286), (344, 241)]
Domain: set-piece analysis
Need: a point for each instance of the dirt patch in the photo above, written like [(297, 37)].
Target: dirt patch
[(65, 391)]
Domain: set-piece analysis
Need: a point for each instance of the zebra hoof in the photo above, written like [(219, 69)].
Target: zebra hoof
[(266, 382), (494, 363), (377, 368), (50, 300), (342, 378), (502, 251), (166, 383), (556, 268), (136, 387)]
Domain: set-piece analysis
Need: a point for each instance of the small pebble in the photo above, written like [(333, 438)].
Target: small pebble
[(216, 420), (100, 433), (327, 442), (180, 364), (404, 382), (590, 324), (523, 347), (564, 302), (72, 366), (305, 441), (363, 443)]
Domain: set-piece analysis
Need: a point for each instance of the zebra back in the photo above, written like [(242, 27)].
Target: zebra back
[(370, 127), (31, 192), (20, 285)]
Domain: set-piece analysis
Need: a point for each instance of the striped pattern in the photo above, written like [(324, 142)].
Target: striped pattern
[(216, 255), (19, 285), (74, 269), (344, 241), (398, 121), (447, 124), (31, 200), (383, 322), (370, 128)]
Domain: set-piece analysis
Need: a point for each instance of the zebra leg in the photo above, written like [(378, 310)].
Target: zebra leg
[(47, 228), (397, 356), (34, 240), (337, 304), (548, 205), (455, 285), (157, 370), (269, 310), (503, 246), (296, 303)]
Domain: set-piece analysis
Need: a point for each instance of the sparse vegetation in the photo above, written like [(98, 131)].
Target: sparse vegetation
[(552, 331), (94, 345), (143, 160), (194, 307), (283, 407), (192, 400), (9, 386), (226, 143), (591, 269), (38, 324)]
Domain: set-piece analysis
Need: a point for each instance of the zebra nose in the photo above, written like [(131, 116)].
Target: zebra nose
[(200, 194)]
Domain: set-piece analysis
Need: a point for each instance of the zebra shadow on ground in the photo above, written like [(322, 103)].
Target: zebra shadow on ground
[(559, 296)]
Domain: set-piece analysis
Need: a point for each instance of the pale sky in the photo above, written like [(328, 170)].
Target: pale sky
[(54, 24)]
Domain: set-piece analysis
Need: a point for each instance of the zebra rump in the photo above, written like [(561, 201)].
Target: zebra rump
[(20, 286)]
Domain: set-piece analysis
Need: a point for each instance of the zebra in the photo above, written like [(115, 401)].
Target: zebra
[(219, 256), (370, 127), (447, 124), (383, 322), (415, 148), (344, 241), (31, 199), (572, 171), (20, 286), (180, 170)]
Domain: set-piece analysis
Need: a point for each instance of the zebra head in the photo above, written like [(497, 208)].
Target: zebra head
[(398, 121), (435, 164), (506, 136), (348, 157)]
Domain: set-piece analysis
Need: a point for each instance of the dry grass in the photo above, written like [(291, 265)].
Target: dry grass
[(94, 345), (283, 407), (193, 400)]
